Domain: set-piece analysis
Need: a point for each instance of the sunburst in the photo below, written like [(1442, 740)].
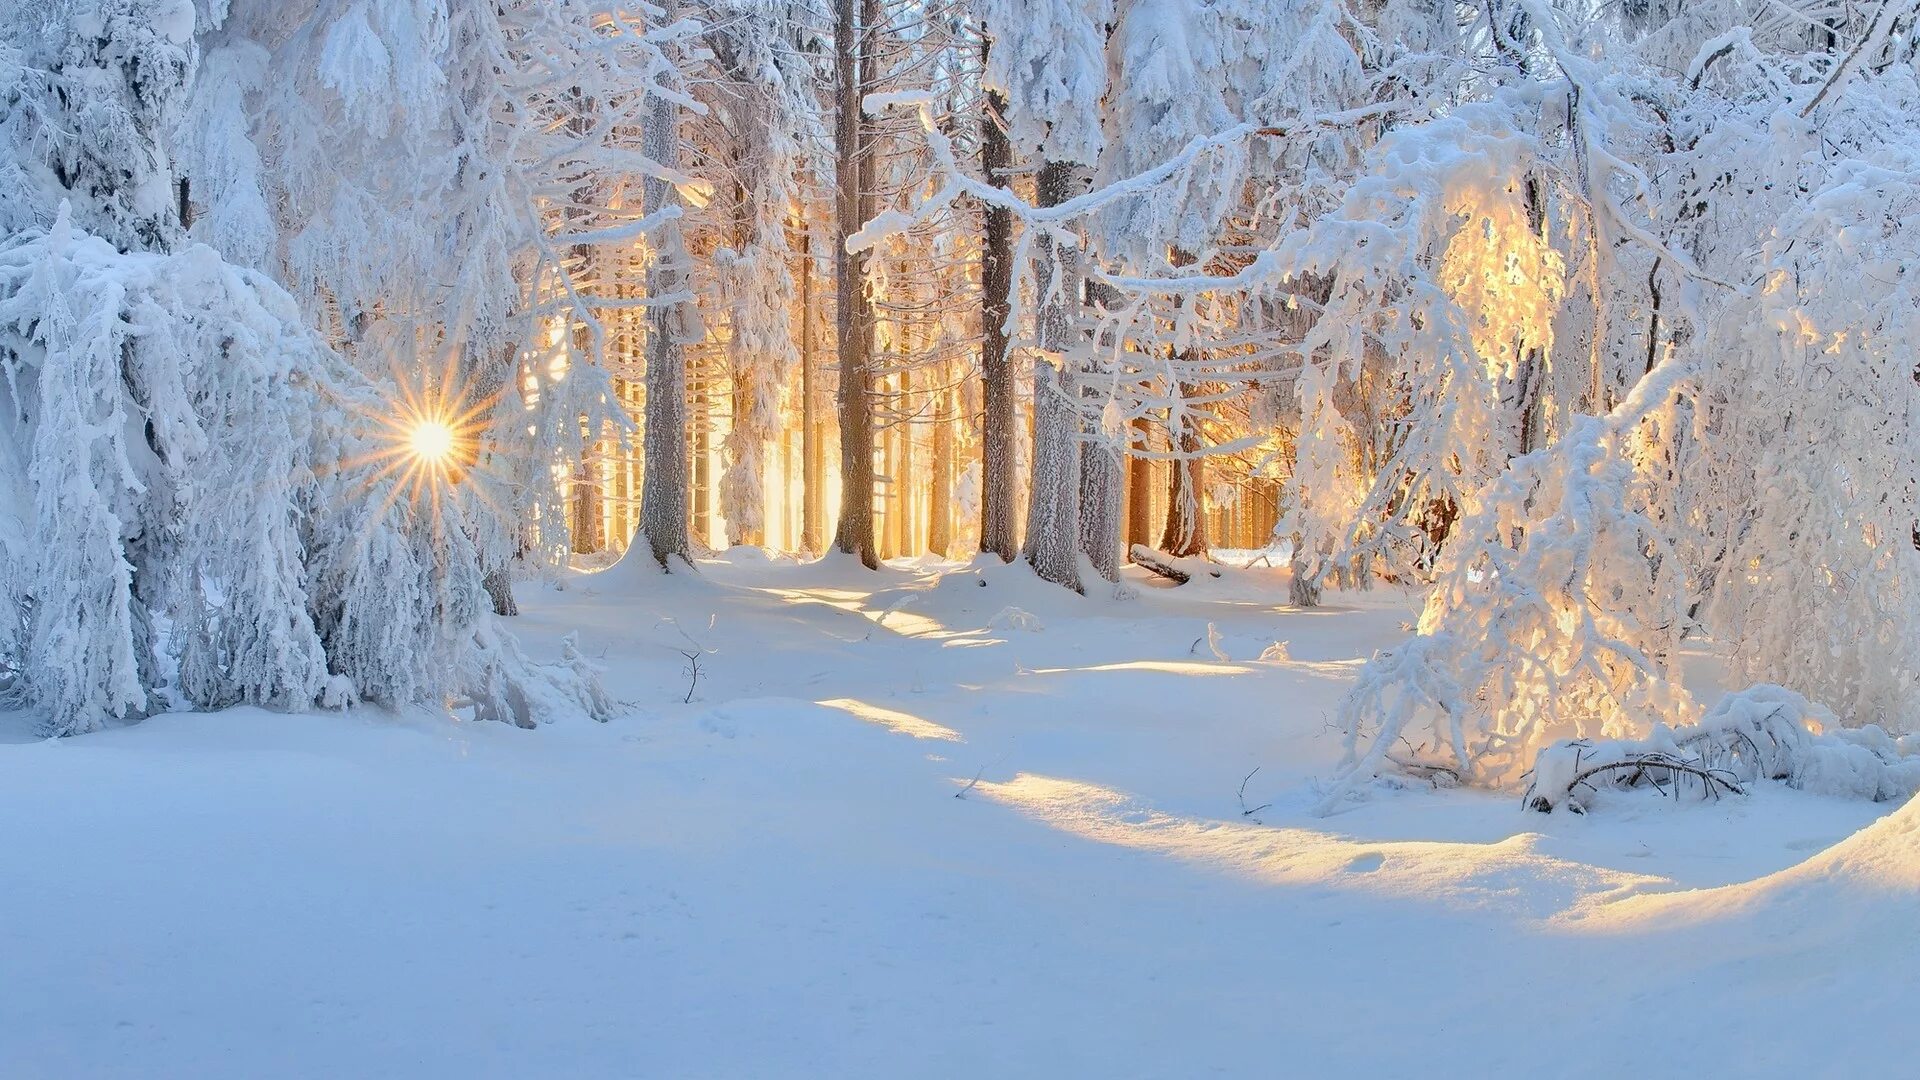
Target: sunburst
[(426, 434)]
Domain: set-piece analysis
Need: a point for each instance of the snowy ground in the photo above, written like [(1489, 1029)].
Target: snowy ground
[(777, 880)]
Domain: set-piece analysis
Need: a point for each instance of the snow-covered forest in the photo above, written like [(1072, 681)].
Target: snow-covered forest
[(920, 537)]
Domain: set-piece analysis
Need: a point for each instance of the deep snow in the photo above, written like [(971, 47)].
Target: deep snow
[(777, 879)]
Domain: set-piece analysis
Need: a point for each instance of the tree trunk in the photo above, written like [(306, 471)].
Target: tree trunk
[(853, 156), (1053, 497), (1140, 488), (940, 490), (743, 480), (486, 372), (1100, 463), (499, 585), (996, 366), (663, 491), (586, 525), (905, 479), (1186, 531), (700, 428), (813, 473), (583, 507)]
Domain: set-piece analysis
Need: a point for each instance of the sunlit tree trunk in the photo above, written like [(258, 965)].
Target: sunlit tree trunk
[(700, 429), (583, 508), (1140, 487), (813, 473), (940, 490), (853, 201), (907, 479), (1186, 530)]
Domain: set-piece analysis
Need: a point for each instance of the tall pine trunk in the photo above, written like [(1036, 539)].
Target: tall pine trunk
[(853, 156), (1101, 459), (584, 522), (1053, 502), (663, 491), (1140, 487), (996, 366), (940, 490), (813, 472)]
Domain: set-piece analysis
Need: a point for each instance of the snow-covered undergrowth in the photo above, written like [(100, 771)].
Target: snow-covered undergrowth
[(1760, 733), (776, 878)]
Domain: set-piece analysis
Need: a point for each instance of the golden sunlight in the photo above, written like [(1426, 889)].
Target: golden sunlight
[(431, 440)]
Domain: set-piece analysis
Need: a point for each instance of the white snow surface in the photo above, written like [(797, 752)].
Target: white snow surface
[(776, 878)]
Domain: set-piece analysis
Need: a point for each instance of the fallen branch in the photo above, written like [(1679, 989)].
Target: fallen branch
[(1426, 770), (1165, 565), (1663, 770)]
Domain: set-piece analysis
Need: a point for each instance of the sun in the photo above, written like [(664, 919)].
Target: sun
[(431, 441)]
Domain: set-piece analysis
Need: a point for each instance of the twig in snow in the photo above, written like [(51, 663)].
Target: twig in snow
[(971, 784), (1244, 812), (693, 674)]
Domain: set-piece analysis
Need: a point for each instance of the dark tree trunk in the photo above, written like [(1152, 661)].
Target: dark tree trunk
[(854, 71), (996, 366)]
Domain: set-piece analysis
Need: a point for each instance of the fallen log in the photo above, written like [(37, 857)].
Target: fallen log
[(1166, 565)]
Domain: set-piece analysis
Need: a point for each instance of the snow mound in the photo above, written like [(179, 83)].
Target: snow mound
[(1866, 879)]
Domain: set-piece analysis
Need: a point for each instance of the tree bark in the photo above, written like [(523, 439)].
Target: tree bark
[(499, 585), (1186, 531), (940, 491), (996, 366), (700, 430), (1053, 497), (1100, 463), (663, 491), (813, 473), (584, 505), (1140, 488), (853, 63)]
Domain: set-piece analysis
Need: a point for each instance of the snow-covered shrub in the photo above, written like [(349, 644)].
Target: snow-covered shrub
[(161, 407), (1554, 616), (1764, 732)]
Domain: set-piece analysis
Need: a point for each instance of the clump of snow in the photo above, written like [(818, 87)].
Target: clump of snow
[(174, 20), (1013, 618)]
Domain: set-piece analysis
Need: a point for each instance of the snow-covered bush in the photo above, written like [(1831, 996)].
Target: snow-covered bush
[(1761, 733), (161, 406), (1554, 616)]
